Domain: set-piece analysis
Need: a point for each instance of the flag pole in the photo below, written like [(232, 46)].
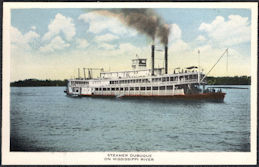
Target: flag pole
[(199, 65)]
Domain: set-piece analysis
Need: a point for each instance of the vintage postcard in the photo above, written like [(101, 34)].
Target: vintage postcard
[(129, 83)]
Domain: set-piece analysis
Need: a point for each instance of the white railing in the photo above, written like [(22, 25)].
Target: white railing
[(155, 83), (150, 84), (141, 92)]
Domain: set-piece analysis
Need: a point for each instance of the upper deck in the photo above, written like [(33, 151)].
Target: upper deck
[(129, 74), (180, 76)]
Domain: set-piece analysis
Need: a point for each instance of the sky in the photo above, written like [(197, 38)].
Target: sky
[(54, 43)]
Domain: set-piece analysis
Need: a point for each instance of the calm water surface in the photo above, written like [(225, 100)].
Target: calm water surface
[(45, 119)]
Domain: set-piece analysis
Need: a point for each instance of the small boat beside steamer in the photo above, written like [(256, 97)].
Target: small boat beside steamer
[(141, 82)]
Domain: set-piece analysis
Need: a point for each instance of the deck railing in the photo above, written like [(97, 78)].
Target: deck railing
[(160, 83), (140, 92)]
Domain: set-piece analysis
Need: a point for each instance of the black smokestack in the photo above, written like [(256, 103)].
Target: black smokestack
[(143, 20), (166, 60), (153, 59)]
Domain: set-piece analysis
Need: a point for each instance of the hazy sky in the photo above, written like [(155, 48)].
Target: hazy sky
[(53, 43)]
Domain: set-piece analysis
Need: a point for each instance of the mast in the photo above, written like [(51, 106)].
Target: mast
[(84, 73), (89, 73), (227, 63), (226, 51), (78, 73), (199, 66)]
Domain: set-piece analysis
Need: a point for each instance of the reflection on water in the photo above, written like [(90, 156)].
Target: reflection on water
[(45, 119)]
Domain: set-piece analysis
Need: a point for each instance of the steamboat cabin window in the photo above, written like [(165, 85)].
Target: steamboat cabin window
[(104, 89), (136, 88), (131, 88), (155, 88), (126, 88), (96, 89), (145, 80), (169, 87), (117, 88), (148, 88), (108, 89), (162, 87), (113, 89), (143, 88), (121, 88), (165, 79)]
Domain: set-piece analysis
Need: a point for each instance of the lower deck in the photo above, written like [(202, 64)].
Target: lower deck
[(215, 97), (139, 90)]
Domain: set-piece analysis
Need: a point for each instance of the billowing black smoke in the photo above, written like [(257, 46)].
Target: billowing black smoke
[(143, 20)]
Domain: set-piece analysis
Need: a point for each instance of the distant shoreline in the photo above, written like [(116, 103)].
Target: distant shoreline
[(236, 80)]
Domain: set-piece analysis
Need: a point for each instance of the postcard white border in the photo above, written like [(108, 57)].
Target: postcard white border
[(97, 158)]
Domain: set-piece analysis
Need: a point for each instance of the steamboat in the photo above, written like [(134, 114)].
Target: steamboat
[(141, 82)]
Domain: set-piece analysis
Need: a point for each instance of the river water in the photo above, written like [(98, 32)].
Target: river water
[(45, 119)]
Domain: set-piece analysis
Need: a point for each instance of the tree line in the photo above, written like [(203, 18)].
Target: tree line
[(36, 82), (242, 80), (236, 80)]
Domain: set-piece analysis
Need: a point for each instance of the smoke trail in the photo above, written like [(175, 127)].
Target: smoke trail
[(143, 20)]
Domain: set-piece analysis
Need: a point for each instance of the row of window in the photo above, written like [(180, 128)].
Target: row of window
[(79, 82), (135, 88), (163, 79)]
